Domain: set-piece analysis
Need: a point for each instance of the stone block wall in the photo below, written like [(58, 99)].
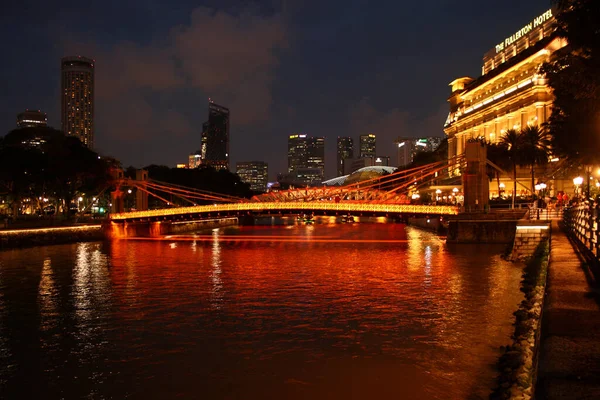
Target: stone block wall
[(528, 236)]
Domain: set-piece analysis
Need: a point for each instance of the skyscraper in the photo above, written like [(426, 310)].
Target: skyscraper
[(297, 152), (31, 119), (316, 154), (215, 137), (345, 151), (77, 95), (367, 145), (255, 173)]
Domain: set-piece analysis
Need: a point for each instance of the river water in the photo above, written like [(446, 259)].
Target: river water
[(353, 311)]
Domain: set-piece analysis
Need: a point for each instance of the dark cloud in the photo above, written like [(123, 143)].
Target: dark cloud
[(140, 88)]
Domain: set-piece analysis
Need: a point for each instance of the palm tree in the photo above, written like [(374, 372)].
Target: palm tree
[(534, 149), (511, 140), (497, 154)]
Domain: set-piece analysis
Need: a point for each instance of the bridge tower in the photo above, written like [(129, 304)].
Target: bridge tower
[(475, 180), (116, 196), (141, 196)]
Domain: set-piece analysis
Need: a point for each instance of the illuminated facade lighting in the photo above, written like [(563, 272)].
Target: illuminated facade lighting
[(511, 93)]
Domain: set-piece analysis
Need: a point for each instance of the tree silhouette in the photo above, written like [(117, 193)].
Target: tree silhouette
[(511, 140), (534, 148), (574, 75)]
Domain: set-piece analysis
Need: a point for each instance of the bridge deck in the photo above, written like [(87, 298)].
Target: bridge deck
[(313, 206)]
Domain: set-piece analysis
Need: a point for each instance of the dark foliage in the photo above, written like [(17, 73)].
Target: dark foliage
[(574, 75), (43, 162), (203, 178)]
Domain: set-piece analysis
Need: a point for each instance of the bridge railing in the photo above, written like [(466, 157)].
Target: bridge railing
[(545, 213), (582, 223)]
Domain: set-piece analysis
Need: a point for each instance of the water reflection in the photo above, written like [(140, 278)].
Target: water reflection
[(319, 311), (217, 283)]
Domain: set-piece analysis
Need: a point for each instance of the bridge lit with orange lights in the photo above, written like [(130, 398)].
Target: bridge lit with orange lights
[(304, 207)]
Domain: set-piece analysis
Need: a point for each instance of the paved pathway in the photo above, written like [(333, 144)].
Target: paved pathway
[(569, 361)]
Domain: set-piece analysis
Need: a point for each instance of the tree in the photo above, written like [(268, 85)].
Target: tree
[(512, 142), (39, 162), (574, 75), (497, 153), (534, 148)]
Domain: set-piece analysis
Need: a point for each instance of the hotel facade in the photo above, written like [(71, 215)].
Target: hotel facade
[(511, 93)]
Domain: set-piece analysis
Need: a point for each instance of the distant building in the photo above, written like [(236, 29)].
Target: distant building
[(381, 161), (316, 154), (355, 164), (182, 166), (306, 154), (408, 148), (345, 151), (301, 177), (77, 95), (215, 137), (255, 173), (32, 119), (368, 145), (195, 160), (297, 152)]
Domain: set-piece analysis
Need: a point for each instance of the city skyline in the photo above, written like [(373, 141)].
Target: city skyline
[(150, 115)]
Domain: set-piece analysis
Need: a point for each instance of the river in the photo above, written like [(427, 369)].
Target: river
[(346, 311)]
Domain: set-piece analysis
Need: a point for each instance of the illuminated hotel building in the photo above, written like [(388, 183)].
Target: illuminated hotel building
[(215, 137), (511, 93), (77, 95), (32, 119), (367, 145), (254, 173), (345, 151)]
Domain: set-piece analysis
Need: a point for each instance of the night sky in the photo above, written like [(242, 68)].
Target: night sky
[(325, 68)]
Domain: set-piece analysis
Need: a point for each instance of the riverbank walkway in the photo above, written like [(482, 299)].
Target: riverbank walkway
[(569, 358)]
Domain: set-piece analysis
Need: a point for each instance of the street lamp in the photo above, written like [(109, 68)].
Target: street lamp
[(437, 194), (577, 182)]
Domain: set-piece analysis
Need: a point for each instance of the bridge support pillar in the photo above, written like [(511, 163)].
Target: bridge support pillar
[(475, 180), (141, 197), (117, 201)]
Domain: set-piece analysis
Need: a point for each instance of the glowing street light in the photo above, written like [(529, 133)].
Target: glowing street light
[(577, 182)]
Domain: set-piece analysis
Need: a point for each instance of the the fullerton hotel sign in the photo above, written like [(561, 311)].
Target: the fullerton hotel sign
[(537, 21)]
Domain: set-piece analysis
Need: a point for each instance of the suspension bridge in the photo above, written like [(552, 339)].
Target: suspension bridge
[(388, 196)]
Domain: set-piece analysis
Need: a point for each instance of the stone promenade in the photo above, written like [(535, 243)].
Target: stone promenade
[(569, 359)]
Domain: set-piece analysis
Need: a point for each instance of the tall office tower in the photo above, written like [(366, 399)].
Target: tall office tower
[(367, 145), (32, 119), (215, 137), (345, 151), (77, 96), (316, 154), (255, 173), (297, 152)]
